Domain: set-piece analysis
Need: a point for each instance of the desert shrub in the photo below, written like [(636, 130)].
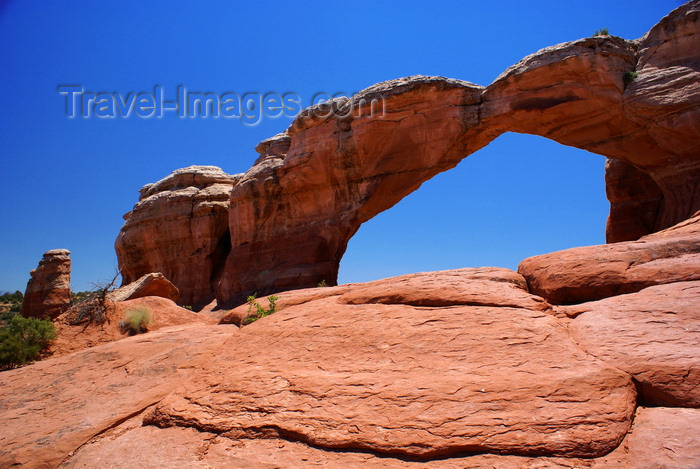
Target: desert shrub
[(136, 321), (629, 76), (601, 32), (260, 312), (322, 283), (91, 307), (23, 339)]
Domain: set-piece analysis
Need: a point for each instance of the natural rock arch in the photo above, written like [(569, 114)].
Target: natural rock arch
[(291, 215)]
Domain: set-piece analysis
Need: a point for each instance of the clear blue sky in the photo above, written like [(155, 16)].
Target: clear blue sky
[(69, 181)]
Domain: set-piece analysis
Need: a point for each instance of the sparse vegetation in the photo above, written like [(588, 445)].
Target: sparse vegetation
[(601, 32), (91, 307), (629, 76), (322, 283), (136, 321), (260, 312), (22, 340)]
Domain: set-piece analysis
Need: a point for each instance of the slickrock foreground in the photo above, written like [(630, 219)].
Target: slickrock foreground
[(286, 222), (51, 408)]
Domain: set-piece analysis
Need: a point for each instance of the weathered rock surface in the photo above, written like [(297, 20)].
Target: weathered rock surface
[(76, 337), (50, 408), (179, 227), (485, 286), (593, 272), (153, 284), (412, 380), (48, 290), (659, 438), (654, 335)]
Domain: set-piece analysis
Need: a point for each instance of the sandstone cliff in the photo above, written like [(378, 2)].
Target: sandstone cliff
[(291, 215)]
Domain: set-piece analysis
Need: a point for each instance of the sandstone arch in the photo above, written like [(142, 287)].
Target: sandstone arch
[(291, 215)]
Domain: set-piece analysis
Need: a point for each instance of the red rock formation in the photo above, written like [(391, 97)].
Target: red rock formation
[(357, 375), (48, 290), (594, 272), (179, 227), (635, 202), (660, 438), (338, 165)]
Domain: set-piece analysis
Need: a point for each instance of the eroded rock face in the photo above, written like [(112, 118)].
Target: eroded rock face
[(413, 371), (635, 202), (593, 272), (179, 227), (48, 290)]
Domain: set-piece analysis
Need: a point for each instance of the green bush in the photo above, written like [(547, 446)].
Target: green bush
[(322, 284), (23, 339), (629, 76), (260, 312), (136, 321), (601, 32)]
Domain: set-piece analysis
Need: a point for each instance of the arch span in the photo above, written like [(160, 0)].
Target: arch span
[(292, 214)]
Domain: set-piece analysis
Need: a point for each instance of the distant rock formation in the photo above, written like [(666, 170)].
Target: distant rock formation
[(179, 227), (48, 290), (292, 214)]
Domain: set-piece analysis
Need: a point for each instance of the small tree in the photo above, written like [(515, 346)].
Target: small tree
[(23, 339), (91, 307)]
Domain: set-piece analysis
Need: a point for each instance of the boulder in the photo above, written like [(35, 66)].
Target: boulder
[(153, 284), (590, 273), (179, 227), (48, 290)]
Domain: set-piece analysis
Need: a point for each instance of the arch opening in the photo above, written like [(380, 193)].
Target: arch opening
[(521, 195)]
